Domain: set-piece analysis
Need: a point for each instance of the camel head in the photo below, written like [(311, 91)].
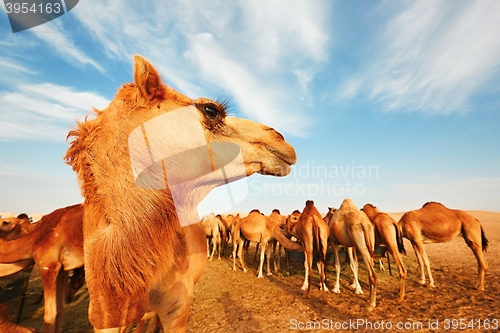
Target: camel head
[(291, 221), (7, 224), (156, 138)]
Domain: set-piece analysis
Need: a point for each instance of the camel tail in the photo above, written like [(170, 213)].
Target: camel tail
[(399, 239), (484, 241), (318, 245)]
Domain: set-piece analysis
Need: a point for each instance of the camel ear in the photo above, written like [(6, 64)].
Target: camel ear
[(147, 79)]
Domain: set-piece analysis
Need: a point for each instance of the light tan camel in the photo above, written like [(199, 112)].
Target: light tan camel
[(387, 233), (56, 246), (313, 233), (137, 254), (434, 223), (351, 228), (215, 232), (260, 229)]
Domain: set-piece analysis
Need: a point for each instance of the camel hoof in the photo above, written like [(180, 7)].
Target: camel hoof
[(336, 290), (432, 285), (245, 270), (359, 292), (269, 274), (304, 287), (370, 308), (422, 282)]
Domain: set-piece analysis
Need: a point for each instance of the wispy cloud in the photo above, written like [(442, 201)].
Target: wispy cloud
[(433, 57), (44, 111), (52, 33), (249, 49)]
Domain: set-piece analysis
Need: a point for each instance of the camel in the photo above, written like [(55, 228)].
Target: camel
[(435, 223), (280, 221), (227, 221), (313, 233), (257, 228), (215, 232), (351, 228), (56, 246), (387, 233), (144, 164)]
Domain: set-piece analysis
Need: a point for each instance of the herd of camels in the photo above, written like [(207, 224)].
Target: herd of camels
[(138, 258)]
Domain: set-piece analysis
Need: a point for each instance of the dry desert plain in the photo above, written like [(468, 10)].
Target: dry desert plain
[(227, 301)]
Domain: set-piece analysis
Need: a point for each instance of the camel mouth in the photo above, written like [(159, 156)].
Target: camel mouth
[(281, 162), (288, 157)]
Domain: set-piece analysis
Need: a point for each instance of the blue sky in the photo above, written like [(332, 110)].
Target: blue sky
[(393, 103)]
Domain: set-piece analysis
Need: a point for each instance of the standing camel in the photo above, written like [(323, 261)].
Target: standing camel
[(56, 246), (434, 223), (215, 232), (351, 228), (387, 233), (313, 233), (143, 165), (257, 228)]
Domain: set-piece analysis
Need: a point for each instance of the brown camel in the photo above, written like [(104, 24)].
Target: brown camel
[(144, 164), (387, 233), (215, 232), (351, 228), (434, 223), (258, 228), (313, 233), (56, 246), (15, 227)]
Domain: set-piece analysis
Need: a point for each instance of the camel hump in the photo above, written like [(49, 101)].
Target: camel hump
[(432, 203)]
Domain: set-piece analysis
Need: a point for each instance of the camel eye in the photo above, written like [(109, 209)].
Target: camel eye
[(211, 111)]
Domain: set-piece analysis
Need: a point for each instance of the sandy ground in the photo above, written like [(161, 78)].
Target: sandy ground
[(227, 301)]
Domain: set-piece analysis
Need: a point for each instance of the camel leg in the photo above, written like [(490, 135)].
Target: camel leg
[(322, 275), (393, 249), (277, 267), (372, 278), (423, 260), (219, 245), (309, 256), (353, 263), (208, 248), (268, 259), (235, 247), (336, 289), (240, 255), (481, 261), (51, 281), (305, 285), (262, 255)]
